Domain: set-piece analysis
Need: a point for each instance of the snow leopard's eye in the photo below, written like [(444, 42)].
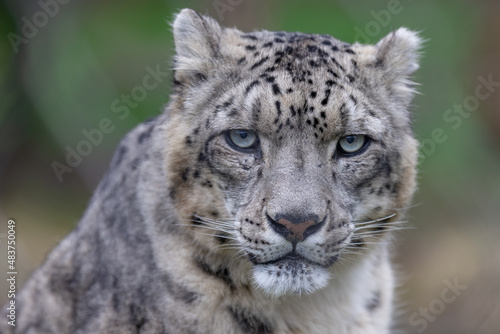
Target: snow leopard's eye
[(352, 144), (242, 139)]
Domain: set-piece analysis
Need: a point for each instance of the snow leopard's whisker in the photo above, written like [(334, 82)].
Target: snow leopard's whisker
[(238, 255), (216, 223), (228, 247), (221, 219), (213, 222), (212, 228), (348, 251), (405, 208), (215, 235), (370, 243), (384, 230), (374, 220), (234, 248), (200, 223), (341, 262), (396, 223)]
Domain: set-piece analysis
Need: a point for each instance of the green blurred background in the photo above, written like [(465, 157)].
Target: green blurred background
[(80, 56)]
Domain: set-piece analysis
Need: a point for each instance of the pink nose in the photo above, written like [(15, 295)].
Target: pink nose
[(294, 228)]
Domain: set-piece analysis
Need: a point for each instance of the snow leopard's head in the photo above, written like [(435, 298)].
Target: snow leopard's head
[(294, 150)]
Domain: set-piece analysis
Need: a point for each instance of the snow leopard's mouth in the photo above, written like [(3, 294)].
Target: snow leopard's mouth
[(293, 259)]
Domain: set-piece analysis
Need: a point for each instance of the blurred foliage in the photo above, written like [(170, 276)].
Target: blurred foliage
[(65, 79)]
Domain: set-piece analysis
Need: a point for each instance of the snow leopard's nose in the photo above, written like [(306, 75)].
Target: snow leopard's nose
[(295, 228)]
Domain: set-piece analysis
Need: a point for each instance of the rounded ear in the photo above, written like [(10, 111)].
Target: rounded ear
[(196, 40), (397, 56)]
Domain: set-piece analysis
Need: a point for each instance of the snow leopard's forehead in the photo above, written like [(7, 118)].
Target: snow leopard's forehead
[(282, 83)]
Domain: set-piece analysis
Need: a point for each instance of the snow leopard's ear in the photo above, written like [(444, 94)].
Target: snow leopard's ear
[(397, 55), (196, 45)]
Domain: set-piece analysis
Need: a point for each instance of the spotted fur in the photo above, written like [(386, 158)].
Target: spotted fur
[(190, 233)]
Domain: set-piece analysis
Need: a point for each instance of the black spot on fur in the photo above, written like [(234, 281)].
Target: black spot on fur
[(259, 63), (249, 36), (335, 62), (276, 89), (233, 112), (327, 95), (374, 302), (270, 69), (313, 94), (316, 122), (188, 141), (135, 163), (185, 174), (353, 99), (326, 43), (333, 73), (250, 47), (249, 323), (220, 273), (349, 51), (267, 45), (136, 316), (344, 117), (278, 107), (196, 174), (145, 135), (207, 183), (312, 48), (171, 193), (256, 110), (251, 85), (278, 40), (178, 291), (122, 150)]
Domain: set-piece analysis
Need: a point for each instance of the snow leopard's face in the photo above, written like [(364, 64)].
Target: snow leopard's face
[(293, 150)]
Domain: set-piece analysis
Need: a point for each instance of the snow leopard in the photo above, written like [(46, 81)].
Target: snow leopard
[(263, 199)]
